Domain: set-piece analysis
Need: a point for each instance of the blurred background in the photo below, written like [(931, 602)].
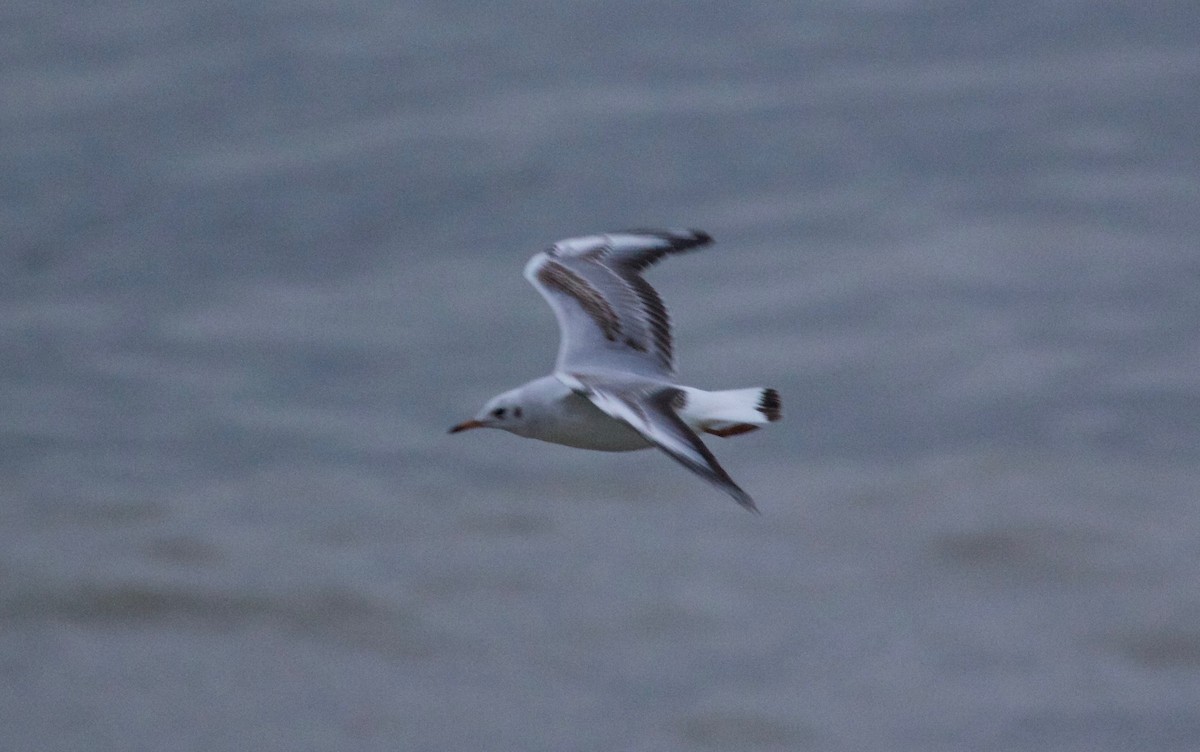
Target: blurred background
[(258, 256)]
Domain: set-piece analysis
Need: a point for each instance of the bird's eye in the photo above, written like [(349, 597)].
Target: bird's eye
[(498, 412)]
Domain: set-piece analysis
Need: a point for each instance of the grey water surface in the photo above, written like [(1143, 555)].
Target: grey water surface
[(257, 257)]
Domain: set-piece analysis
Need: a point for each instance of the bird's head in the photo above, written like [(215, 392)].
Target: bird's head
[(504, 411)]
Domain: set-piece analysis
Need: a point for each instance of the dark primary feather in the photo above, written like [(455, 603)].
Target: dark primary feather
[(770, 405)]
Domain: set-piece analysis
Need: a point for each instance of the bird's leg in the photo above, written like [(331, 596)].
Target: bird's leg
[(735, 430)]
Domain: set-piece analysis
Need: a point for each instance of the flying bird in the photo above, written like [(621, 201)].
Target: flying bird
[(613, 387)]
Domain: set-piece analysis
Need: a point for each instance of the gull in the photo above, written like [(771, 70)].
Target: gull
[(613, 387)]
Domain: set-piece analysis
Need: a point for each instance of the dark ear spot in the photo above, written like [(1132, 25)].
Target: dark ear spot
[(516, 412)]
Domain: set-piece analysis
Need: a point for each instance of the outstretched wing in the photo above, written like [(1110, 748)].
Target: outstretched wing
[(609, 317), (652, 414)]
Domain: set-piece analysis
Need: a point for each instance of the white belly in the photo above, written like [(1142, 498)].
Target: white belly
[(581, 424)]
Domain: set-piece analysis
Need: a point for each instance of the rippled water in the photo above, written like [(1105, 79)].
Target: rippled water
[(258, 258)]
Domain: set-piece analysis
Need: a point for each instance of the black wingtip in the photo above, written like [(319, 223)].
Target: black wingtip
[(770, 405), (743, 499), (681, 240)]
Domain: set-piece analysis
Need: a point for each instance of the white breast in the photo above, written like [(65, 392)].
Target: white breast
[(578, 423)]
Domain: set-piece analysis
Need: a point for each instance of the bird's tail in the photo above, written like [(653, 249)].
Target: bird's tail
[(729, 412)]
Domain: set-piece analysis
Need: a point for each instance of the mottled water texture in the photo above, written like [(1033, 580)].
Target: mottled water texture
[(257, 257)]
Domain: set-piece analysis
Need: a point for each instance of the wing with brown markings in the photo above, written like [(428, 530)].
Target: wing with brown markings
[(609, 317)]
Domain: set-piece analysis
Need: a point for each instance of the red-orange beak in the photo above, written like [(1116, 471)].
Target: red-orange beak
[(468, 425)]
